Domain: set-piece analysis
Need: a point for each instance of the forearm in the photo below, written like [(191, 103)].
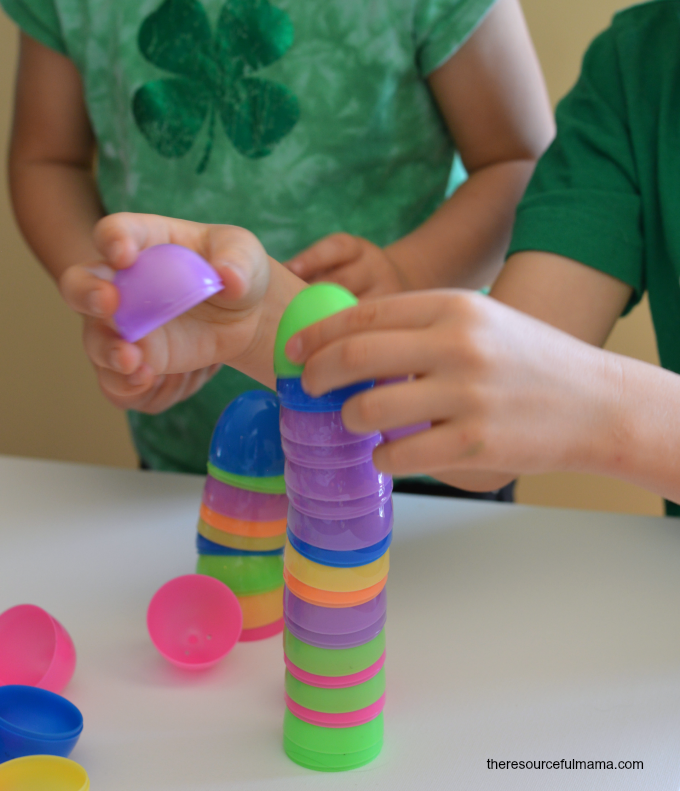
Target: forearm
[(634, 431), (493, 100), (463, 243), (51, 159), (639, 442), (57, 206)]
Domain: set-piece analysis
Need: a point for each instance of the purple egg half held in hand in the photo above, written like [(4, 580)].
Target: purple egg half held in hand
[(163, 283)]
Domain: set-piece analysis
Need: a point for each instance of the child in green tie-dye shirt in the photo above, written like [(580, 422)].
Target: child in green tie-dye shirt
[(301, 121)]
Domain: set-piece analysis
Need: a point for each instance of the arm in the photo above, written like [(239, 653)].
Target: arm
[(631, 405), (57, 206), (236, 327), (507, 393), (493, 100), (51, 160)]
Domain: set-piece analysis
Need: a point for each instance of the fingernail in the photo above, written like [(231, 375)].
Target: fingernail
[(102, 271), (115, 361), (116, 251), (243, 276), (138, 377), (294, 349), (94, 304), (242, 273), (295, 267)]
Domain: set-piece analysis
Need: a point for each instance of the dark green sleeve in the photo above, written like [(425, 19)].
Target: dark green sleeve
[(39, 20), (583, 201)]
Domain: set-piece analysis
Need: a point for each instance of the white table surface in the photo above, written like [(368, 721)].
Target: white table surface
[(514, 633)]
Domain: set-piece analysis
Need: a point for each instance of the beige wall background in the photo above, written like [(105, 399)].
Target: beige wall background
[(50, 406)]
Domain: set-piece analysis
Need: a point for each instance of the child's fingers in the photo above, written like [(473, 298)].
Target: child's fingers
[(108, 350), (329, 252), (377, 355), (355, 277), (121, 237), (146, 392), (240, 260), (129, 392), (236, 254), (128, 386), (392, 406), (449, 445), (406, 311), (87, 292)]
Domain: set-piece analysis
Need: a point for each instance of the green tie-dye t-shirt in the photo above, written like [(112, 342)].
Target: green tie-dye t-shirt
[(292, 118)]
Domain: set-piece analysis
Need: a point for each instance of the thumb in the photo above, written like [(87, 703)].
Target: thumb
[(242, 263), (326, 254)]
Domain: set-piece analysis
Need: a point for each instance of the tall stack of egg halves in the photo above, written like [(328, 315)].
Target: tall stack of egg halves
[(335, 564), (242, 525)]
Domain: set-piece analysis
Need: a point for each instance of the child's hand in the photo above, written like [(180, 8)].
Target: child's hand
[(355, 263), (174, 361), (506, 393)]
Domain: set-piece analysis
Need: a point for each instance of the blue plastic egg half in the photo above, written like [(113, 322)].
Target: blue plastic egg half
[(247, 439), (35, 721)]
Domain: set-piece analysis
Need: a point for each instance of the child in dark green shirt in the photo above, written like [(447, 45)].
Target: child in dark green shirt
[(507, 393)]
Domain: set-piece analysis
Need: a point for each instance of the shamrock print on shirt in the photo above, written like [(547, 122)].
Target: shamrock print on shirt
[(214, 78)]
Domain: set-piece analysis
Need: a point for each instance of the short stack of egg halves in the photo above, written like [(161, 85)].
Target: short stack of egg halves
[(242, 525), (335, 564)]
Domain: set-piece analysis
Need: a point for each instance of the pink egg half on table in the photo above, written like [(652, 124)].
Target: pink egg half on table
[(36, 649), (194, 621)]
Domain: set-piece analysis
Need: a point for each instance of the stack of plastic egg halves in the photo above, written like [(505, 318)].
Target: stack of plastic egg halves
[(242, 525), (335, 564)]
